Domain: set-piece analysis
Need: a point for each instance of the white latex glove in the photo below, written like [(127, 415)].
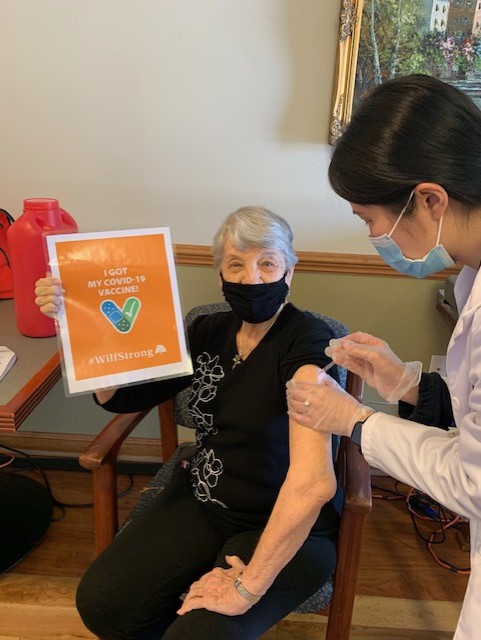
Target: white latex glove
[(49, 292), (324, 406), (374, 361)]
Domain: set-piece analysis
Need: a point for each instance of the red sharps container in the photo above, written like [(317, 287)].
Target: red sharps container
[(29, 259)]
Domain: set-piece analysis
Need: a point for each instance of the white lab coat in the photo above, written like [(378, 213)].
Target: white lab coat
[(445, 464)]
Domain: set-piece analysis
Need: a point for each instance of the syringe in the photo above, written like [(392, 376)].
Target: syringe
[(328, 366)]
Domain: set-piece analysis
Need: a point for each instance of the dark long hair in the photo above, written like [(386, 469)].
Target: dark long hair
[(406, 131)]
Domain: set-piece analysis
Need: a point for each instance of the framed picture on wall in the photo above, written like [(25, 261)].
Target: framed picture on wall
[(383, 39)]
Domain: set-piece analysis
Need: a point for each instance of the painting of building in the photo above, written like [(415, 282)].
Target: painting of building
[(461, 17), (477, 20), (435, 15)]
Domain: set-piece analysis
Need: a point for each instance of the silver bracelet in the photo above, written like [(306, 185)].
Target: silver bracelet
[(242, 591)]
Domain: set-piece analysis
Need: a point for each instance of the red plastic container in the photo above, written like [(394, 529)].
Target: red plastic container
[(29, 259)]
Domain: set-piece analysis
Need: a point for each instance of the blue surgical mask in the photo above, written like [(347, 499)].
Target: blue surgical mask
[(435, 260)]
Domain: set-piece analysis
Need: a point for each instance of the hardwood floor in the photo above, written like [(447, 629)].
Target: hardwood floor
[(403, 594)]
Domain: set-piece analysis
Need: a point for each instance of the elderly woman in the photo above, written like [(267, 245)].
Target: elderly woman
[(249, 530)]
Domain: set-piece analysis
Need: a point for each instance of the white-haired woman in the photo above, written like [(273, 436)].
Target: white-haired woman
[(249, 530)]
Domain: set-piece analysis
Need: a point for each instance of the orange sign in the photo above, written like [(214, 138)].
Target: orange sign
[(121, 321)]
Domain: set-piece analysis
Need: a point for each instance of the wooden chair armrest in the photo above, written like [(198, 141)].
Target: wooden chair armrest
[(356, 480), (354, 470), (105, 446), (355, 386), (355, 476)]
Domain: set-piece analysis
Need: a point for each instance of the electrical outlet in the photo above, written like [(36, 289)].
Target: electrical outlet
[(438, 364)]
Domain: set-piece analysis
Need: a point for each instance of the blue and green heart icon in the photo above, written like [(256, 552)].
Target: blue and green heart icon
[(121, 319)]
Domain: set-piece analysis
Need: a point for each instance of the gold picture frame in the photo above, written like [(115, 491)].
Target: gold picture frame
[(383, 39), (345, 77)]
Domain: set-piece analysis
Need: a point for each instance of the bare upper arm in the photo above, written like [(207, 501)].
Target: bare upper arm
[(310, 451)]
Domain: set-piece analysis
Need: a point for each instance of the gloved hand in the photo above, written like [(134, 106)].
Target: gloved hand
[(48, 292), (374, 361), (324, 406)]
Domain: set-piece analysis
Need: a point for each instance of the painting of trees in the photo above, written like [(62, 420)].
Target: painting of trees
[(396, 39)]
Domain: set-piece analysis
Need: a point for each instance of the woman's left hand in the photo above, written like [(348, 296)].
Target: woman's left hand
[(215, 591), (48, 295), (324, 406)]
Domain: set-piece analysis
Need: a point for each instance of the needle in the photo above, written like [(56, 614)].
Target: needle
[(328, 366)]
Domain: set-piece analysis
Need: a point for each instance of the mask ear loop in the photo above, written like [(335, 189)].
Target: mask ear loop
[(402, 213), (439, 230)]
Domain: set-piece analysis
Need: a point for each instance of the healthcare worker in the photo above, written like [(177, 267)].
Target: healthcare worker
[(409, 163)]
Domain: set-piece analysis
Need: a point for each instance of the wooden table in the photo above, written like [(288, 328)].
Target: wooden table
[(34, 373)]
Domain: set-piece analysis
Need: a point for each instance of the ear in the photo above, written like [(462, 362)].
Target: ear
[(433, 198), (289, 276)]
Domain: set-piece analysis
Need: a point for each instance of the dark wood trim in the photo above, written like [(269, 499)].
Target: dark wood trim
[(311, 262), (68, 444)]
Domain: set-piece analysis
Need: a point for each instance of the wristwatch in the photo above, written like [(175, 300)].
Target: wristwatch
[(357, 432), (242, 591)]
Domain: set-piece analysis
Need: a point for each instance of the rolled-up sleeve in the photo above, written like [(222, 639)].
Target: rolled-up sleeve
[(434, 404)]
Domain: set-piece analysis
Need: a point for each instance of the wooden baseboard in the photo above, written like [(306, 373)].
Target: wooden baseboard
[(72, 445)]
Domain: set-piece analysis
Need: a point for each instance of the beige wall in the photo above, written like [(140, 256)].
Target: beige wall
[(145, 112)]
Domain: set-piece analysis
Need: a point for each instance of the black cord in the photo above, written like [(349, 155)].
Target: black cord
[(444, 518), (5, 256), (388, 494), (57, 503), (420, 505)]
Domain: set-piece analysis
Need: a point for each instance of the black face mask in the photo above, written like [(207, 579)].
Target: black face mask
[(255, 302)]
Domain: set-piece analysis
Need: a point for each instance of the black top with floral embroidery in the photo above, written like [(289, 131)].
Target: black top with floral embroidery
[(240, 411)]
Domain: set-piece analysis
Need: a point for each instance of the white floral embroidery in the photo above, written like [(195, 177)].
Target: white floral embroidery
[(205, 471), (206, 468)]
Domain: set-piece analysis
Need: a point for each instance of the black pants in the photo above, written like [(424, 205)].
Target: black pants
[(131, 591)]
